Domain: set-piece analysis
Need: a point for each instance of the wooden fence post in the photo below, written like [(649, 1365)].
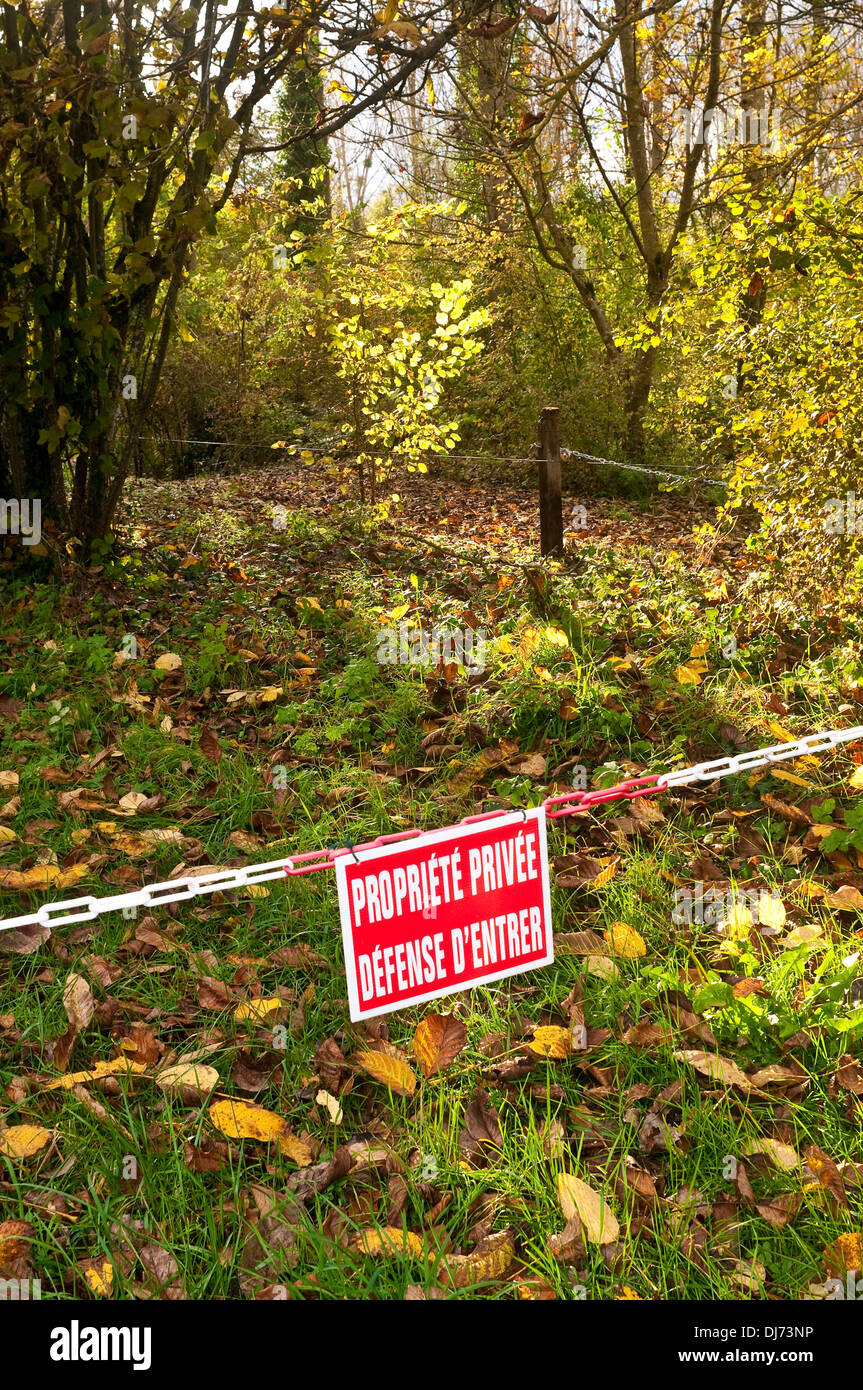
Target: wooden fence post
[(550, 504)]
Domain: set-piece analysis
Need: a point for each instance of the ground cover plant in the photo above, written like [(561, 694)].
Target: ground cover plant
[(671, 1110)]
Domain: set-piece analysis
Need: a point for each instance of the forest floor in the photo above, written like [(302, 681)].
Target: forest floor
[(187, 1110)]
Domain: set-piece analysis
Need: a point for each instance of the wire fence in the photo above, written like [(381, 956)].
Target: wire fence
[(295, 448)]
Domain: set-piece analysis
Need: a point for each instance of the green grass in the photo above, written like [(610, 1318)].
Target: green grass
[(588, 674)]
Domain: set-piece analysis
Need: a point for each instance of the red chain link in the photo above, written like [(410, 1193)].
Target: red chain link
[(570, 803)]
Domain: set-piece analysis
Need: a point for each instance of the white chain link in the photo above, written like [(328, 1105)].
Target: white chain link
[(760, 757), (154, 895)]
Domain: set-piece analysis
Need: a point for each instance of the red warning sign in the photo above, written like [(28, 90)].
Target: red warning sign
[(445, 910)]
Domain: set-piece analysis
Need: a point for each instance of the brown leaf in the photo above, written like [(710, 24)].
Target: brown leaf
[(308, 1181), (161, 1268), (490, 1261), (481, 1131), (582, 871), (253, 1073), (78, 1002), (580, 943), (849, 1075), (23, 941), (716, 1067), (15, 1237), (212, 994), (568, 1245), (331, 1064), (647, 1035), (438, 1040), (210, 746), (823, 1168), (781, 1209), (300, 957)]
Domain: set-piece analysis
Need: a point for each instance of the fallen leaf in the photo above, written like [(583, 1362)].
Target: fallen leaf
[(78, 1002), (390, 1070), (845, 1253), (577, 1199), (623, 940), (110, 1067), (483, 1265), (782, 1156), (438, 1040), (258, 1009), (391, 1240), (22, 1141), (15, 1237), (551, 1042), (716, 1067), (243, 1120), (185, 1076), (332, 1106)]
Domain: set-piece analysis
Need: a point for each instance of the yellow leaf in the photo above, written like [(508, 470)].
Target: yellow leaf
[(551, 1042), (243, 1120), (258, 1009), (602, 966), (168, 661), (624, 940), (846, 1252), (332, 1106), (296, 1149), (605, 875), (577, 1199), (779, 731), (22, 1141), (390, 1070), (7, 835), (771, 911), (42, 876), (700, 648), (99, 1275), (800, 936), (493, 1263), (8, 778), (189, 1075), (391, 1240), (106, 1068), (686, 676), (738, 921), (782, 776), (781, 1155), (627, 1295), (268, 694), (855, 781)]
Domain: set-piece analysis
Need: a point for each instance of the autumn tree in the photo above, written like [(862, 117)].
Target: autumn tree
[(124, 128)]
